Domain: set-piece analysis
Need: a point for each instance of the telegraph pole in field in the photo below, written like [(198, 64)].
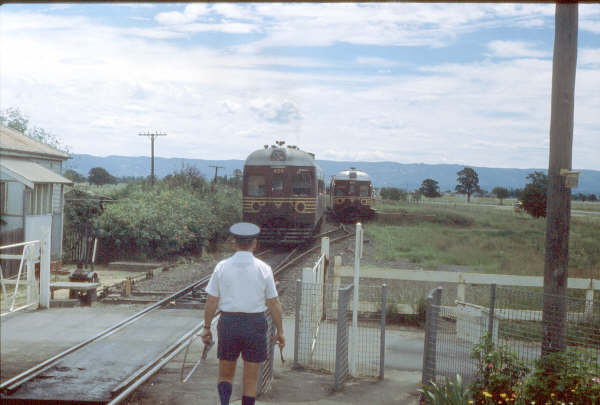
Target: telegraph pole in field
[(152, 136), (212, 187), (560, 176)]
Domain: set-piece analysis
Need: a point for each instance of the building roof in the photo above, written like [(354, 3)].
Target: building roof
[(17, 144), (29, 173), (352, 174)]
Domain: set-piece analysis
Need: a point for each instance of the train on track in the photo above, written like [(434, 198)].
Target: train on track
[(283, 193), (351, 195)]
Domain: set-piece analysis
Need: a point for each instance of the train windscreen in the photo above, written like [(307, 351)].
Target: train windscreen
[(364, 190), (256, 185), (302, 183)]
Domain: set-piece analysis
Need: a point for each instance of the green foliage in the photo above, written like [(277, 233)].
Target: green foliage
[(564, 377), (430, 188), (188, 177), (74, 176), (499, 373), (501, 193), (163, 222), (448, 393), (533, 196), (393, 193), (468, 182), (99, 176)]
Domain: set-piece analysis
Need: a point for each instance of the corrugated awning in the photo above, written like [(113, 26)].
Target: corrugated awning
[(29, 173)]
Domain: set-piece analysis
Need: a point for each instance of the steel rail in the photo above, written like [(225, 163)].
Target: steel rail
[(145, 377), (12, 384), (283, 266)]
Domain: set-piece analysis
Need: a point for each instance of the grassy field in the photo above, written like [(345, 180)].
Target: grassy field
[(484, 238), (508, 202)]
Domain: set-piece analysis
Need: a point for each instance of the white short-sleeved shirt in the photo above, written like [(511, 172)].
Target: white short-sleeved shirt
[(242, 283)]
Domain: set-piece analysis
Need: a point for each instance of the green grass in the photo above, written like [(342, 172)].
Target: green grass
[(486, 239)]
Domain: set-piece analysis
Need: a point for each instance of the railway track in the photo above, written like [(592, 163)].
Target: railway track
[(106, 369)]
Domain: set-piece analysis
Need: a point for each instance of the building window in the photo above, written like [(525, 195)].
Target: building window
[(3, 197), (40, 200)]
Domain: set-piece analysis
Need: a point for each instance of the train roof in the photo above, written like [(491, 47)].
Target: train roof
[(352, 174), (278, 156)]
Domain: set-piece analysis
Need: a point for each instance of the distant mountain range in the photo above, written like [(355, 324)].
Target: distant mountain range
[(383, 174)]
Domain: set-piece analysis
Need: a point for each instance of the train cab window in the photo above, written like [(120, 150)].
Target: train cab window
[(364, 190), (339, 190), (277, 183), (352, 189), (256, 185), (302, 183)]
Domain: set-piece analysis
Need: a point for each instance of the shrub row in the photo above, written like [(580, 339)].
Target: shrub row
[(164, 221)]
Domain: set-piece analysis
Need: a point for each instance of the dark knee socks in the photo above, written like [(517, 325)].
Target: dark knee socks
[(224, 388), (248, 400)]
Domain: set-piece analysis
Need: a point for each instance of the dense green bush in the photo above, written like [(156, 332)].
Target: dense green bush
[(499, 373), (165, 222), (570, 377)]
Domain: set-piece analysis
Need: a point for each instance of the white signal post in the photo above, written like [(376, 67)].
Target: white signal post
[(357, 256)]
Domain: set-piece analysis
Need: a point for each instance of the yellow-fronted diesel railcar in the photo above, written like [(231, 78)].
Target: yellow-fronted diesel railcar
[(283, 193)]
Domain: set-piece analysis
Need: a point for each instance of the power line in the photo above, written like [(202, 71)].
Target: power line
[(152, 136)]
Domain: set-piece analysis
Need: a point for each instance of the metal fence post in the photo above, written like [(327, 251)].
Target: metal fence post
[(265, 375), (492, 309), (434, 300), (382, 337), (297, 321), (341, 344)]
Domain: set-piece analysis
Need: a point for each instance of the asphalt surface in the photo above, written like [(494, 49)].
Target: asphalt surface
[(31, 337)]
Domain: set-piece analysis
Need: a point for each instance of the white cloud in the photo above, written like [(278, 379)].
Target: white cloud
[(276, 111), (515, 49), (87, 82), (189, 14)]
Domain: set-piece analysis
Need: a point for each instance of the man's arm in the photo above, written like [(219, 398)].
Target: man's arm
[(277, 314), (210, 308)]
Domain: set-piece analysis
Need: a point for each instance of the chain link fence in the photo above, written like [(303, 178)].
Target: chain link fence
[(265, 374), (324, 331), (513, 318)]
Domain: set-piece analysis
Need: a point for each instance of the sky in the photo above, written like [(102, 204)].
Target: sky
[(404, 82)]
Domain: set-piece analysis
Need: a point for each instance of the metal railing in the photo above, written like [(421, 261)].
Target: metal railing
[(33, 252)]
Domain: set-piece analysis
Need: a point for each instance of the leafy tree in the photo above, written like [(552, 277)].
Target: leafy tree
[(13, 118), (430, 188), (187, 177), (468, 182), (592, 197), (393, 193), (501, 193), (74, 176), (99, 176), (533, 196)]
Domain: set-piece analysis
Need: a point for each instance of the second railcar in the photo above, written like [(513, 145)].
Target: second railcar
[(351, 195), (283, 193)]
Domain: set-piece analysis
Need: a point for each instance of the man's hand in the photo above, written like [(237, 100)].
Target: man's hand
[(206, 336), (280, 340)]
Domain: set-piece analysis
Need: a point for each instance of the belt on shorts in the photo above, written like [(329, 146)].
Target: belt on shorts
[(242, 313)]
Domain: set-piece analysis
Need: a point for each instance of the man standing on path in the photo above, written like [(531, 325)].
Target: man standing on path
[(242, 288)]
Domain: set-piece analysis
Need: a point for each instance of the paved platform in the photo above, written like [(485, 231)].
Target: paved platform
[(31, 337)]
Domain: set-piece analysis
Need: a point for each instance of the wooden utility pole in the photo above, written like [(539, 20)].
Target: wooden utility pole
[(558, 208), (212, 187), (152, 137)]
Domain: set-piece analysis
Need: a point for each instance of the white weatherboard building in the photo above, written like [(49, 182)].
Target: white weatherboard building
[(31, 189)]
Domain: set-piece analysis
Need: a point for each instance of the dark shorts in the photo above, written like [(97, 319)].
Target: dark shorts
[(242, 333)]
